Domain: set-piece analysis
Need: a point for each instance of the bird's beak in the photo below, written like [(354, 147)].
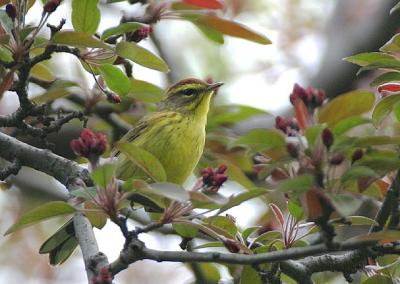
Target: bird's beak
[(214, 86)]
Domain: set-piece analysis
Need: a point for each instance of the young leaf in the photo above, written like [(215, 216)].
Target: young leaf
[(362, 220), (102, 175), (231, 28), (207, 4), (295, 210), (349, 123), (223, 223), (144, 160), (211, 34), (141, 56), (262, 139), (115, 79), (43, 212), (386, 78), (145, 91), (364, 59), (346, 105), (345, 204), (382, 237), (357, 172), (41, 71), (383, 108), (297, 185), (121, 29), (185, 230), (171, 191), (278, 214), (85, 16), (393, 45), (58, 89), (78, 39), (242, 197)]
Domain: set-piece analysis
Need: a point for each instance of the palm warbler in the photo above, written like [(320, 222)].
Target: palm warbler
[(175, 133)]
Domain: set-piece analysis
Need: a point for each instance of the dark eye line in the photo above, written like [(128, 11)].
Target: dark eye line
[(189, 92)]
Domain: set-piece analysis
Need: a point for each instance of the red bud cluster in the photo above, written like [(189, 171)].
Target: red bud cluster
[(51, 6), (288, 125), (213, 179), (292, 149), (141, 34), (11, 11), (311, 97), (113, 98), (90, 145), (104, 277)]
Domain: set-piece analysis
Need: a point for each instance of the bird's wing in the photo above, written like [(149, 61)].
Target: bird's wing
[(141, 127)]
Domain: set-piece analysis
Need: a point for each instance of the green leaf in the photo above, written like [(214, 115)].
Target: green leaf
[(386, 78), (115, 79), (242, 197), (312, 133), (85, 16), (102, 175), (235, 173), (63, 252), (262, 139), (145, 91), (364, 59), (345, 204), (141, 56), (210, 245), (395, 8), (297, 185), (249, 231), (382, 236), (60, 236), (230, 114), (57, 90), (392, 64), (78, 39), (222, 222), (41, 71), (383, 108), (86, 193), (121, 29), (393, 45), (171, 191), (269, 236), (357, 172), (6, 22), (231, 28), (43, 212), (295, 210), (211, 34), (185, 230), (25, 32), (348, 123), (6, 55), (144, 160), (379, 278), (361, 220), (376, 140), (347, 105), (249, 275)]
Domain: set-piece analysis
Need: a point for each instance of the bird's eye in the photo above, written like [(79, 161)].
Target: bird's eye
[(189, 92)]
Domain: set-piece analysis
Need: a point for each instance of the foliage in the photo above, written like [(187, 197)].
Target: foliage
[(313, 170)]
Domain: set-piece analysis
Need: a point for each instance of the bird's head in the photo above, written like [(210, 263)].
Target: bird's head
[(190, 96)]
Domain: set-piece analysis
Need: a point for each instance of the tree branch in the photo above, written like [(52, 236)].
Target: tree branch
[(66, 172)]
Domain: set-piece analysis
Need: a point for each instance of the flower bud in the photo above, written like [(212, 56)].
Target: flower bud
[(337, 159), (292, 150), (140, 34), (288, 125), (222, 169), (51, 6), (213, 179), (104, 276), (232, 245), (89, 145), (357, 155), (327, 137), (311, 96), (11, 11), (113, 98)]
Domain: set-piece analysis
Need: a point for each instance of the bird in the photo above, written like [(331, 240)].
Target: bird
[(174, 134)]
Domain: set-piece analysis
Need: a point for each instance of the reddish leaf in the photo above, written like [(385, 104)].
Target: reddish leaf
[(314, 208), (302, 114), (208, 4), (231, 28), (278, 214), (383, 186), (7, 82), (389, 88)]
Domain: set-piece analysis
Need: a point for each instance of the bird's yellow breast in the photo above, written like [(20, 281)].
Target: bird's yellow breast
[(177, 141)]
